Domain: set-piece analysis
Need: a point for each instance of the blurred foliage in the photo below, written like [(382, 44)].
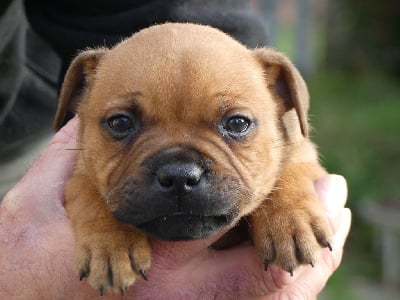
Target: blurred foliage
[(355, 110), (357, 122), (364, 34)]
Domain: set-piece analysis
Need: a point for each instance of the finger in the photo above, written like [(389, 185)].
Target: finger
[(343, 231), (332, 190), (173, 254), (331, 260), (44, 180), (311, 281)]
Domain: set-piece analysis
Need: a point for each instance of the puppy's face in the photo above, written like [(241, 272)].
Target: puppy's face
[(179, 130)]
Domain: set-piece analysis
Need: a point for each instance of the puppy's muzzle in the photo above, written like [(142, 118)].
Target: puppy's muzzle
[(178, 197)]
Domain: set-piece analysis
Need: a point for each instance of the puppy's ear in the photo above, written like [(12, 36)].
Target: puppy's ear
[(77, 81), (285, 81)]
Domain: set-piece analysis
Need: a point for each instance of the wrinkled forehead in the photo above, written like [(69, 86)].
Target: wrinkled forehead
[(161, 73)]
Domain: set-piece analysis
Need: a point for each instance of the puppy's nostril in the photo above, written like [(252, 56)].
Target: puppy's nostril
[(193, 179), (165, 180), (179, 176)]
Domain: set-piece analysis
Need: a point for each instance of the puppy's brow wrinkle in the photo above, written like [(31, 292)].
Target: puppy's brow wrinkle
[(126, 100), (227, 96), (132, 95), (134, 98)]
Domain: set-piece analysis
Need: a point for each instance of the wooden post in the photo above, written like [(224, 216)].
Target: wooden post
[(270, 11), (386, 218), (304, 46)]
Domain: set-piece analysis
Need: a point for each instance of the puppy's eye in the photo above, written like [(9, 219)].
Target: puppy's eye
[(237, 124), (120, 125), (236, 127)]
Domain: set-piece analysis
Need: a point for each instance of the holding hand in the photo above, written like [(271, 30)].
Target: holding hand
[(36, 246)]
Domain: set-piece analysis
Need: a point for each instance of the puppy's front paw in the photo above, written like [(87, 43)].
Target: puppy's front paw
[(289, 236), (112, 260)]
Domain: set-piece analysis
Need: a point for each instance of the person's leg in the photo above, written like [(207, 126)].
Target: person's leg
[(75, 25), (28, 94)]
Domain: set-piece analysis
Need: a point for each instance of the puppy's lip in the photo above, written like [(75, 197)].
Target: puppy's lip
[(185, 226), (222, 217), (179, 213)]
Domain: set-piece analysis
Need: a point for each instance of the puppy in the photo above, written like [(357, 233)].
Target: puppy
[(184, 132)]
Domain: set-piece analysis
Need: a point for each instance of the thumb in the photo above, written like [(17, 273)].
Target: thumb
[(332, 191), (45, 179)]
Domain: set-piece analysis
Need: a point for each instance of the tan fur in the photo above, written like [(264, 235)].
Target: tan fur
[(184, 78)]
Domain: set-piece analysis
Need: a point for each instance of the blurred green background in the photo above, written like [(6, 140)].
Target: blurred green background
[(349, 53)]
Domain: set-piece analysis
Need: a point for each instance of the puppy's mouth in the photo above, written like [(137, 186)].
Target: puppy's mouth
[(182, 226)]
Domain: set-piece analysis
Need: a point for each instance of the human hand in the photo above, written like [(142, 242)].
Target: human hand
[(36, 245)]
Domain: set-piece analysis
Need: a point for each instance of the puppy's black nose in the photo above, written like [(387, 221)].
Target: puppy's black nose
[(179, 177)]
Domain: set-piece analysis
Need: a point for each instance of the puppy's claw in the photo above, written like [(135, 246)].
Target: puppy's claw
[(312, 264), (266, 265), (122, 290), (329, 246), (144, 274), (82, 274), (291, 272)]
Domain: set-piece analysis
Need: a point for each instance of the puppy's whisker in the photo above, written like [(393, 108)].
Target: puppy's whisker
[(73, 149)]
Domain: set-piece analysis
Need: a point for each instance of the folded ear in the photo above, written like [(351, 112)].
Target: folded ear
[(285, 81), (77, 81)]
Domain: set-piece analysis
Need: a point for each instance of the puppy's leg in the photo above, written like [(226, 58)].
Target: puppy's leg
[(289, 228), (110, 254)]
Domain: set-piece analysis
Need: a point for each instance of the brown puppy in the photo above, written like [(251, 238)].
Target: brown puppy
[(184, 131)]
